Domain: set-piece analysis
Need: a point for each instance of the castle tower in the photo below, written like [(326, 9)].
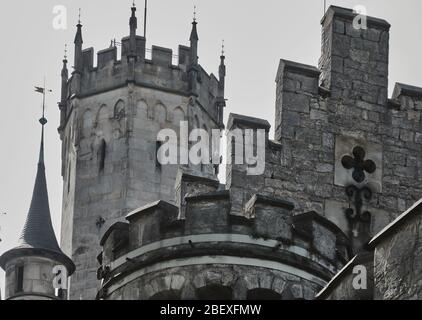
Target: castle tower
[(349, 152), (33, 266), (111, 116), (345, 160)]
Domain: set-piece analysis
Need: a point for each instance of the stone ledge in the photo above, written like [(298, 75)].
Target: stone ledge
[(27, 251), (276, 202), (401, 89), (299, 220), (348, 14), (195, 250), (298, 68), (250, 122), (150, 207), (188, 176), (225, 194)]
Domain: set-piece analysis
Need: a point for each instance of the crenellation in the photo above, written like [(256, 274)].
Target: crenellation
[(140, 47), (184, 56), (106, 57), (146, 224), (162, 56), (190, 184), (210, 227), (88, 59)]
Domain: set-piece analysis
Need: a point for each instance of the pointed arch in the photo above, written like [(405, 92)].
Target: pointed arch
[(142, 109), (120, 110), (101, 120), (102, 114), (86, 124), (160, 113), (178, 116)]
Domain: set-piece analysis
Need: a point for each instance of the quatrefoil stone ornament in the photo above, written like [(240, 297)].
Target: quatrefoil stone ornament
[(359, 164)]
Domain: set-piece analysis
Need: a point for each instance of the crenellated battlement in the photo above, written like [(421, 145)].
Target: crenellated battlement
[(113, 71), (268, 230)]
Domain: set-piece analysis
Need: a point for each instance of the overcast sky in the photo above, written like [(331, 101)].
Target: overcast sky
[(257, 34)]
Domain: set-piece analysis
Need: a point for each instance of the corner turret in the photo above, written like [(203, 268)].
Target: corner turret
[(35, 264)]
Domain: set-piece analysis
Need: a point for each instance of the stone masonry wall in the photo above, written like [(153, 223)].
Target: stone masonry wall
[(127, 121), (398, 262), (318, 126), (37, 279), (214, 282)]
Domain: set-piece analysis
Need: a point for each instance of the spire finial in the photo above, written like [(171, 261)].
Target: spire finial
[(65, 51), (133, 4), (79, 16), (43, 120), (43, 90), (222, 48), (194, 32)]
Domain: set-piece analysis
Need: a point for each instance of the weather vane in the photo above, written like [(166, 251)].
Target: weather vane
[(43, 91)]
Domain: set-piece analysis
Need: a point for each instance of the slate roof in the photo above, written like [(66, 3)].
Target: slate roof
[(38, 235)]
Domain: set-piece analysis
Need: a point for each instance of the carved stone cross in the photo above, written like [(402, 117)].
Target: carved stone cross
[(358, 164)]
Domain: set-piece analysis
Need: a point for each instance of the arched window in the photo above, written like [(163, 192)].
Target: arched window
[(101, 120), (86, 124), (142, 110), (160, 113), (178, 116), (119, 110)]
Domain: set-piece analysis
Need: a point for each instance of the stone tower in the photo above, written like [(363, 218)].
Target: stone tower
[(32, 266), (346, 160), (110, 118), (349, 152)]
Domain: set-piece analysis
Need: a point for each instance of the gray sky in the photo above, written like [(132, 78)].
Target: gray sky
[(257, 34)]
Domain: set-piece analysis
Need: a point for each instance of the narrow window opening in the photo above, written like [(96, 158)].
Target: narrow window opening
[(19, 279), (68, 178), (158, 156), (101, 155)]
